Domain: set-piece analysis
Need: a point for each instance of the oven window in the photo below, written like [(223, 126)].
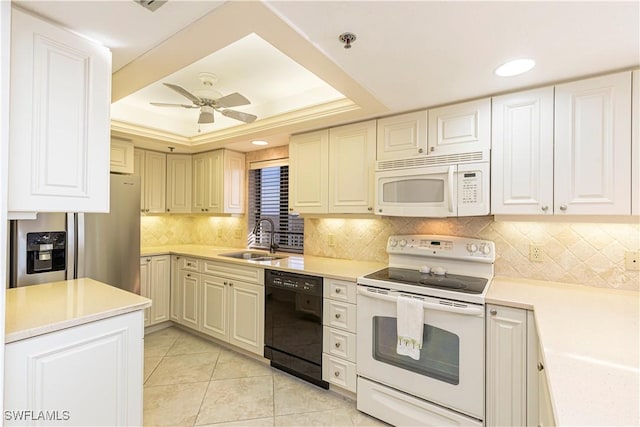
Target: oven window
[(413, 190), (439, 357)]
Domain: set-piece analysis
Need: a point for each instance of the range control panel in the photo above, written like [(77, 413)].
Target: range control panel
[(453, 247)]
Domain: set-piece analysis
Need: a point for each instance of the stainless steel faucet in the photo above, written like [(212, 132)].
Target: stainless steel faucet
[(272, 245)]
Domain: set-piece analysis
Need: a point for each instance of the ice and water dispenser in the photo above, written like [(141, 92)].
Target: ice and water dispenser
[(46, 251)]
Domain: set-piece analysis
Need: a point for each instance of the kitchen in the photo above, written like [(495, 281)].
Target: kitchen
[(586, 250)]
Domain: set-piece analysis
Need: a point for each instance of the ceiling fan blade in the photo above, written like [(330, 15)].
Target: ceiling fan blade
[(239, 115), (182, 91), (232, 100), (165, 104)]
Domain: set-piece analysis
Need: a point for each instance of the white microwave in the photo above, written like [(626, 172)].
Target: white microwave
[(445, 190)]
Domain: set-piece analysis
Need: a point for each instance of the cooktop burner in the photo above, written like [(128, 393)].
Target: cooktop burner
[(458, 283)]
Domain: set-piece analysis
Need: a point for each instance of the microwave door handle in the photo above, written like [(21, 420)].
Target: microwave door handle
[(471, 311), (450, 178)]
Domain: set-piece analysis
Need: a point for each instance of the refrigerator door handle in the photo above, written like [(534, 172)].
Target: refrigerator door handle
[(79, 242)]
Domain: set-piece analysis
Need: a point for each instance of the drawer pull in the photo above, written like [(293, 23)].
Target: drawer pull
[(230, 283), (337, 315), (188, 264), (225, 283), (336, 374), (337, 345), (338, 290), (540, 366), (493, 312), (188, 275)]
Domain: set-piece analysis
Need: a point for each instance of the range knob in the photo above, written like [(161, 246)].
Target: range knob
[(438, 271), (393, 243), (485, 249), (472, 247), (402, 243)]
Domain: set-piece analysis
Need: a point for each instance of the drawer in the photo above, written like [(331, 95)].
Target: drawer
[(339, 315), (339, 343), (190, 264), (234, 271), (340, 290), (339, 372)]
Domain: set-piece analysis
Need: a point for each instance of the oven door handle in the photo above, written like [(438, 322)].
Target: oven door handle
[(470, 311)]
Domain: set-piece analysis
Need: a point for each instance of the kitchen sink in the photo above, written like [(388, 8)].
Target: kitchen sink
[(253, 256)]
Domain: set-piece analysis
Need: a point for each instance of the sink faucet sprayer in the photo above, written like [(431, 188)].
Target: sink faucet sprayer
[(272, 245)]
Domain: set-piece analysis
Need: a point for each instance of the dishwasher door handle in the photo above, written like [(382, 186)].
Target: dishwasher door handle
[(465, 309)]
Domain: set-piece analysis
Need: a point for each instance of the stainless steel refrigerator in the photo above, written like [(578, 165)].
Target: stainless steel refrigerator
[(62, 246)]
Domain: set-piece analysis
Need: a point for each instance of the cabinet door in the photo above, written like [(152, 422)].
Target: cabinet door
[(138, 170), (121, 159), (92, 372), (246, 311), (352, 151), (234, 178), (460, 128), (592, 146), (214, 173), (145, 285), (635, 144), (506, 366), (522, 153), (59, 122), (176, 300), (545, 411), (215, 316), (308, 172), (160, 285), (198, 183), (155, 170), (190, 297), (402, 136), (179, 183)]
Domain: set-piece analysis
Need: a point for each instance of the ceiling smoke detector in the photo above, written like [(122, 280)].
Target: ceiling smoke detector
[(151, 5)]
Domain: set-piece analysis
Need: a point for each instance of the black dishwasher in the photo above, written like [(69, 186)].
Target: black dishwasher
[(293, 324)]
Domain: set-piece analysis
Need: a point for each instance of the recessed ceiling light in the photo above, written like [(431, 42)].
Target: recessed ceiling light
[(515, 67), (259, 142)]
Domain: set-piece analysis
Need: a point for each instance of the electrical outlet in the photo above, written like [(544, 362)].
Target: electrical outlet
[(536, 253), (220, 233), (332, 240), (237, 233), (632, 260)]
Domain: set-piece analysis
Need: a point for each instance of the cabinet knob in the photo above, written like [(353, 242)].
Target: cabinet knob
[(147, 210), (338, 290), (540, 366), (420, 150), (337, 315), (206, 210), (225, 283), (380, 210), (433, 149), (201, 210), (370, 209), (545, 208), (493, 312), (188, 275), (230, 283), (168, 210), (291, 209), (177, 257), (563, 208), (336, 374), (337, 345), (148, 259)]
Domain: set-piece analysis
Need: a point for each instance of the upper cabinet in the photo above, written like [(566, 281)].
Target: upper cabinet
[(59, 122), (402, 136), (635, 144), (121, 158), (522, 153), (331, 171), (218, 182), (179, 183), (460, 128), (151, 166), (592, 171)]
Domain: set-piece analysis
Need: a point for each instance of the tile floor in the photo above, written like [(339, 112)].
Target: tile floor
[(191, 381)]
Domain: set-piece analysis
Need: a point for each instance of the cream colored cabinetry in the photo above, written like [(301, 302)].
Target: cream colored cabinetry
[(72, 367), (189, 284), (179, 183), (331, 171), (522, 153), (121, 159), (59, 122), (218, 182), (151, 166), (635, 144), (545, 407), (512, 368), (460, 128), (339, 333), (175, 295), (155, 284), (402, 136), (309, 172), (592, 171)]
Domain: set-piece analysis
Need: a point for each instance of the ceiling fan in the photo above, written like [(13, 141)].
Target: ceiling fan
[(209, 100)]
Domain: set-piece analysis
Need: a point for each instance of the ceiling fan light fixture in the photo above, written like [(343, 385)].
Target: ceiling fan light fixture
[(515, 67), (206, 114)]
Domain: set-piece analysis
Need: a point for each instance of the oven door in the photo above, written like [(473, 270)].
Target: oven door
[(425, 192), (450, 371)]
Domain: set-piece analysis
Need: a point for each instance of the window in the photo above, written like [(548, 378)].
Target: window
[(269, 199)]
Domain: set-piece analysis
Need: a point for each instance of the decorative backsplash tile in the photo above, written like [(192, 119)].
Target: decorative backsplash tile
[(581, 253), (193, 229)]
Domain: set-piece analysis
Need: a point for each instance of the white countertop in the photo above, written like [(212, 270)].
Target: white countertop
[(305, 264), (40, 309), (590, 341)]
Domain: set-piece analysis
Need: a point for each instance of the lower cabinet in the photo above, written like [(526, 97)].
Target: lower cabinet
[(155, 284), (222, 300), (514, 393), (339, 334), (85, 375)]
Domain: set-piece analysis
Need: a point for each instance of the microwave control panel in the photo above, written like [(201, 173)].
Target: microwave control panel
[(473, 189)]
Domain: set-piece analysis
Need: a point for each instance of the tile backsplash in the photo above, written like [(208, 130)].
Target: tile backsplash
[(574, 252)]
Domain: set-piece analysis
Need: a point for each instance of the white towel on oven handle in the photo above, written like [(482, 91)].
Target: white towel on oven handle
[(410, 322)]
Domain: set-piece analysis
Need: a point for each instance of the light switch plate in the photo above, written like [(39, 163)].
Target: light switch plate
[(632, 260)]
